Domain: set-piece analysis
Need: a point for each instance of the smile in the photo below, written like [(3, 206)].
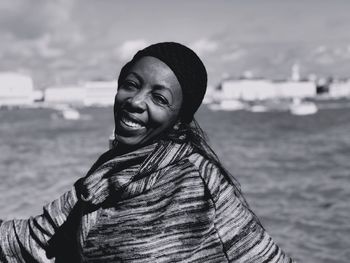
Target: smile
[(131, 123)]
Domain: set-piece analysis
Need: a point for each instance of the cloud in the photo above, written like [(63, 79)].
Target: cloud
[(320, 50), (325, 59), (129, 48), (38, 29), (234, 55), (45, 50), (204, 46), (41, 47), (9, 5), (32, 19)]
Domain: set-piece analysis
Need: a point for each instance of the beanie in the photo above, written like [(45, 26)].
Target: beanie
[(187, 67)]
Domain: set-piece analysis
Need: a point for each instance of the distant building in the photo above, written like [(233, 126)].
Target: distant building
[(296, 89), (65, 95), (38, 96), (100, 93), (15, 89), (323, 85), (262, 89), (340, 89), (247, 89), (295, 72)]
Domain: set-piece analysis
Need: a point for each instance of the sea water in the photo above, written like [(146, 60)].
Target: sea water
[(293, 170)]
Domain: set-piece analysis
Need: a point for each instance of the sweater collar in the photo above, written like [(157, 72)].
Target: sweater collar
[(165, 153), (112, 175)]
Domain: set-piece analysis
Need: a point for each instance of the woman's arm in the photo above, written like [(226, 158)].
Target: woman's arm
[(38, 239), (28, 240)]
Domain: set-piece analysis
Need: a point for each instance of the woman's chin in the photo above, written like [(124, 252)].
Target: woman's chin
[(130, 141)]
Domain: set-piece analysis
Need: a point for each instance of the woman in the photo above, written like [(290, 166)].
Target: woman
[(160, 194)]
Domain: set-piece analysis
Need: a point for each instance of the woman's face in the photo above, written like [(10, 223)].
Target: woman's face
[(147, 103)]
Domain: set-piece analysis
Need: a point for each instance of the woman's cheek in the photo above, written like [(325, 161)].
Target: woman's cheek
[(161, 116)]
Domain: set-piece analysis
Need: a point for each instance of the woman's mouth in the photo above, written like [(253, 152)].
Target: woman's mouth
[(131, 122)]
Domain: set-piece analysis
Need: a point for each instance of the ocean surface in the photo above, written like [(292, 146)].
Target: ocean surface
[(294, 170)]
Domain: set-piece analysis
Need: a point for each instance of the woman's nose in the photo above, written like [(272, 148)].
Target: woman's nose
[(138, 101)]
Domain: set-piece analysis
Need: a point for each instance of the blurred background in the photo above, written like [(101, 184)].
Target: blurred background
[(277, 110)]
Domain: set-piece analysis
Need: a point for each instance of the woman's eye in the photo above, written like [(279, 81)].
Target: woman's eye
[(160, 99), (129, 85)]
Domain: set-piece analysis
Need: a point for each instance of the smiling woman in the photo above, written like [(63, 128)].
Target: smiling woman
[(160, 194), (148, 102)]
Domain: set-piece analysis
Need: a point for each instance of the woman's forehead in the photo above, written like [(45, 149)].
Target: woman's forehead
[(153, 69), (149, 62)]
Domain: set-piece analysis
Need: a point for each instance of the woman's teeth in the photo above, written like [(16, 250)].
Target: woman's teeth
[(131, 123)]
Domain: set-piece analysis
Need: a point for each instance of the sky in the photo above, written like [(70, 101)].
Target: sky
[(67, 41)]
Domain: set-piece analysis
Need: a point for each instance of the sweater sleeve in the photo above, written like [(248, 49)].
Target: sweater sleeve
[(28, 240), (242, 236)]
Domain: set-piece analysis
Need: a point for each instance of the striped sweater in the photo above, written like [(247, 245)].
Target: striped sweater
[(161, 203)]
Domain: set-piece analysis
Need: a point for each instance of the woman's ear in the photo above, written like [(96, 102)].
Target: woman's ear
[(176, 126), (178, 132)]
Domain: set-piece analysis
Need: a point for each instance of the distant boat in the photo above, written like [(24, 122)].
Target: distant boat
[(270, 105), (71, 114), (258, 108), (228, 105), (66, 112), (299, 107)]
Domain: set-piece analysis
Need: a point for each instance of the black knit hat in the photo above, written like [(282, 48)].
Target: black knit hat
[(187, 67)]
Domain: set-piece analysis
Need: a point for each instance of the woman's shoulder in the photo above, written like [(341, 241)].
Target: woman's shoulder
[(203, 164), (209, 172), (219, 183)]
